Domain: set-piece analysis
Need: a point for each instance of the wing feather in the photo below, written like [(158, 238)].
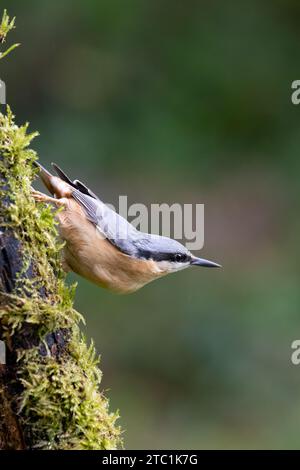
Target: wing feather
[(110, 224)]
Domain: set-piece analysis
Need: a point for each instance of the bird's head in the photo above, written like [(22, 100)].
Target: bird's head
[(171, 256)]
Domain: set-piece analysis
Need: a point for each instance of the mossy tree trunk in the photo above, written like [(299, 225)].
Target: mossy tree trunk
[(49, 385), (13, 433)]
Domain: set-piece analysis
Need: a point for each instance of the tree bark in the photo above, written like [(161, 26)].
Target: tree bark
[(49, 385), (12, 435)]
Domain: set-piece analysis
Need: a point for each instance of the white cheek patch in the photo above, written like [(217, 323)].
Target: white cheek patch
[(168, 266)]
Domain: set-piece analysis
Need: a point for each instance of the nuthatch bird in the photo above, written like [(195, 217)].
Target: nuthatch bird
[(102, 246)]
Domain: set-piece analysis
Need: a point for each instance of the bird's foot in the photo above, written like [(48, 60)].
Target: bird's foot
[(41, 197)]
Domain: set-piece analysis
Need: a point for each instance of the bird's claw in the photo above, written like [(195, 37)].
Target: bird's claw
[(41, 197)]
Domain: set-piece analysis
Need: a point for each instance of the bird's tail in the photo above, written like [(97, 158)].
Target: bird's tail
[(46, 177), (60, 186), (62, 174)]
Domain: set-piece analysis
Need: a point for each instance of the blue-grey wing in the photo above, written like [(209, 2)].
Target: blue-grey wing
[(110, 224), (124, 235)]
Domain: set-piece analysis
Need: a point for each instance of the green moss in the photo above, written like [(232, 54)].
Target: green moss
[(60, 406), (6, 26)]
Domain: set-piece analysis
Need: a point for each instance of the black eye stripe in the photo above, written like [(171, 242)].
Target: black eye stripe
[(176, 258)]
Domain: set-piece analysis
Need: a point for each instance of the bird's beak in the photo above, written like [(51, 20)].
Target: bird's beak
[(204, 262)]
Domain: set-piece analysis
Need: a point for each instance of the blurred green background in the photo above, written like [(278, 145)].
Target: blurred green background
[(172, 101)]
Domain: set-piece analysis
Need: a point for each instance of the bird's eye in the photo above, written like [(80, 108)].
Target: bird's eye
[(179, 257)]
